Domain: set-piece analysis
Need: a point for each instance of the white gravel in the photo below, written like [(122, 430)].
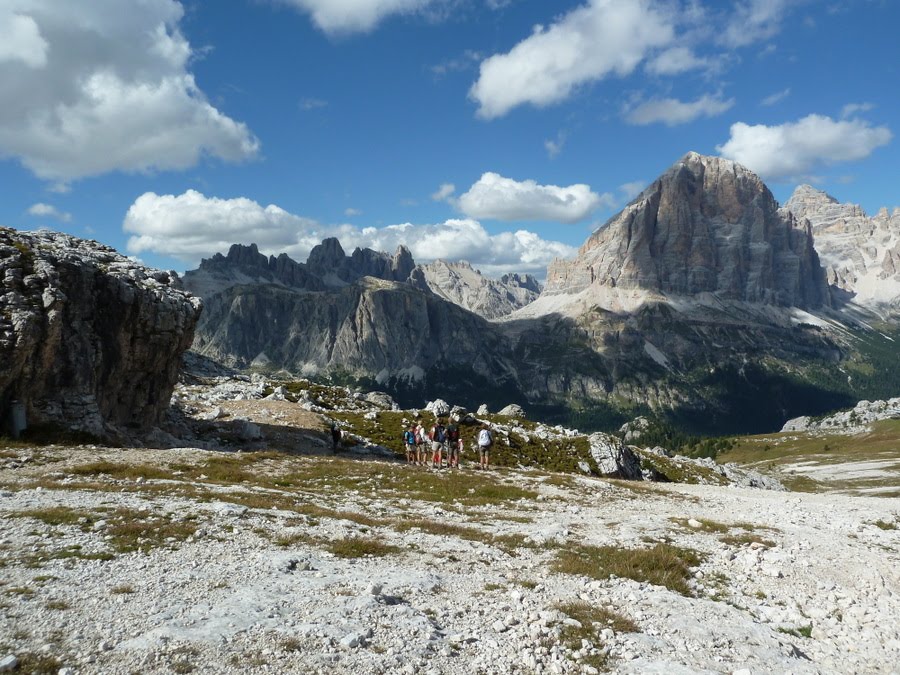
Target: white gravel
[(229, 599)]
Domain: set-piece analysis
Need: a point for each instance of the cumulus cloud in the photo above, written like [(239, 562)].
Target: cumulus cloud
[(602, 38), (672, 112), (793, 149), (192, 226), (443, 193), (354, 16), (104, 86), (499, 198), (21, 40), (49, 211)]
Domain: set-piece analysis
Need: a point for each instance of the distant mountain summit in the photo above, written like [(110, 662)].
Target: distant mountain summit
[(465, 286), (706, 225), (701, 300), (861, 255)]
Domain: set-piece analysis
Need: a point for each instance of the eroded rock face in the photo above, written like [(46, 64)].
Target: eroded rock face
[(88, 338), (613, 458), (707, 225), (861, 255), (465, 286)]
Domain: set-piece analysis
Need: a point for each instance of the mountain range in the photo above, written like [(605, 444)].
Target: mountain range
[(702, 300)]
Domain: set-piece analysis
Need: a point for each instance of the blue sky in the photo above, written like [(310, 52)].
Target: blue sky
[(498, 131)]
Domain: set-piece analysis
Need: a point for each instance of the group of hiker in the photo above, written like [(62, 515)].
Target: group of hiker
[(428, 447)]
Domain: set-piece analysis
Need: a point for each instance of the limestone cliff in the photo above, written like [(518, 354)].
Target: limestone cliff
[(88, 338), (707, 225), (861, 255), (465, 286)]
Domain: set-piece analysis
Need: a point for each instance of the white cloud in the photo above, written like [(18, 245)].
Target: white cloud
[(351, 212), (772, 99), (601, 38), (192, 226), (443, 193), (672, 112), (674, 61), (499, 198), (754, 21), (554, 146), (111, 91), (49, 211), (851, 109), (794, 148), (21, 40), (354, 16)]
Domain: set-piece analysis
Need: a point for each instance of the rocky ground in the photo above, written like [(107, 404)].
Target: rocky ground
[(188, 560)]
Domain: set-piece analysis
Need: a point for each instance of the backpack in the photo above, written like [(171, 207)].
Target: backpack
[(409, 437), (453, 433), (437, 434), (484, 438)]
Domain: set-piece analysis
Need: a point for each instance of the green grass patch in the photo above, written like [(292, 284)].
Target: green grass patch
[(801, 631), (360, 547), (885, 525), (662, 565), (705, 525), (745, 539), (37, 664)]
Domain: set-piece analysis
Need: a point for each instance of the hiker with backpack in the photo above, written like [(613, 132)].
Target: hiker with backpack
[(454, 445), (438, 438), (409, 440), (421, 443), (485, 441)]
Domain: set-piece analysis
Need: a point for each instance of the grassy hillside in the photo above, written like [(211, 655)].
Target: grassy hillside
[(863, 463)]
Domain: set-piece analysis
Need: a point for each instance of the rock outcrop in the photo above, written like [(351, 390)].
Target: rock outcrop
[(465, 286), (861, 255), (861, 415), (707, 225), (89, 339)]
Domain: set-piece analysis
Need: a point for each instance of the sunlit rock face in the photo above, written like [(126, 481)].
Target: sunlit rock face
[(88, 338), (707, 225)]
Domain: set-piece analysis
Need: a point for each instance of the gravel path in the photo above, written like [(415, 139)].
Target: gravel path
[(221, 586)]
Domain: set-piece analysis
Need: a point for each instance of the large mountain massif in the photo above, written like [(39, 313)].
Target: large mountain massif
[(861, 255), (702, 300)]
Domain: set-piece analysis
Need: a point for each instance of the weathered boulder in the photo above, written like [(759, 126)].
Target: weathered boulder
[(482, 410), (633, 430), (381, 400), (512, 410), (438, 407), (613, 458), (88, 338)]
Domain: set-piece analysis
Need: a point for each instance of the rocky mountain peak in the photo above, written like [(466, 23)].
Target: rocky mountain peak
[(821, 209), (861, 255), (706, 225), (327, 255), (248, 256)]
